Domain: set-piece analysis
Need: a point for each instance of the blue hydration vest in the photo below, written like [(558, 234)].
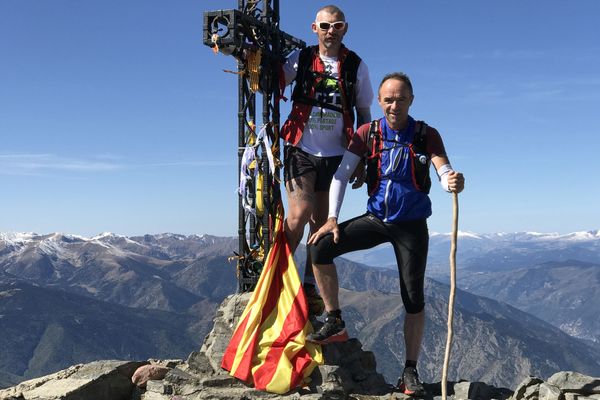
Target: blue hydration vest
[(395, 195)]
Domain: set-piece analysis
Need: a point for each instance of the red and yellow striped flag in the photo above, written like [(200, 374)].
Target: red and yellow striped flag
[(269, 347)]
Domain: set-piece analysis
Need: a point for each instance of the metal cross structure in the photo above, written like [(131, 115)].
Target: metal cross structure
[(252, 35)]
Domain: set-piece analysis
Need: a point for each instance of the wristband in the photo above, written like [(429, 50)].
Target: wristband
[(443, 172)]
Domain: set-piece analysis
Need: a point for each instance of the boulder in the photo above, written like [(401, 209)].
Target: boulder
[(549, 392), (565, 385), (148, 372), (99, 380), (574, 382), (348, 369), (525, 388), (472, 390)]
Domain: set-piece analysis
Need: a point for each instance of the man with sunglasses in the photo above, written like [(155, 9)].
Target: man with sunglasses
[(331, 84), (399, 152)]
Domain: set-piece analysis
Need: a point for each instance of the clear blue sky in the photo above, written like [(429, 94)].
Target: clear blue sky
[(115, 117)]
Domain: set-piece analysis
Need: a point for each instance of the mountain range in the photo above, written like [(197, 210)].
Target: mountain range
[(496, 251), (163, 289)]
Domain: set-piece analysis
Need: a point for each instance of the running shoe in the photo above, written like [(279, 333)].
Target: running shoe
[(332, 331), (410, 384)]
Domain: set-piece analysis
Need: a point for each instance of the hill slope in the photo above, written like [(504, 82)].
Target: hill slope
[(566, 294), (44, 330)]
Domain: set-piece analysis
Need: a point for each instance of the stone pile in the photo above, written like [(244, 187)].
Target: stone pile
[(564, 385), (348, 369)]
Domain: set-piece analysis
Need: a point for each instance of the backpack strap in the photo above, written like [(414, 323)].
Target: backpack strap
[(421, 160), (374, 140), (420, 139), (373, 157)]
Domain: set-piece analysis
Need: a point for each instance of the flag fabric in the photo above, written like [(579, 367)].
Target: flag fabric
[(269, 347)]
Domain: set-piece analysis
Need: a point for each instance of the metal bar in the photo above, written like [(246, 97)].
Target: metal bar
[(241, 144), (235, 32)]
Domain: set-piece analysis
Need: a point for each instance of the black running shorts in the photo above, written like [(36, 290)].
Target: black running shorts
[(410, 240), (297, 163)]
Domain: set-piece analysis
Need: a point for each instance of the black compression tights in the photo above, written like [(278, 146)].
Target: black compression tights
[(410, 240)]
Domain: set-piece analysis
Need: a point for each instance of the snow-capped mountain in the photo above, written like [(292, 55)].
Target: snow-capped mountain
[(136, 271)]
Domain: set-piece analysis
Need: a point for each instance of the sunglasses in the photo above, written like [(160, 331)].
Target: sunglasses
[(324, 26)]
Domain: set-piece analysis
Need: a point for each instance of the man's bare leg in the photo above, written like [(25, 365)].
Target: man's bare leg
[(334, 328), (327, 279), (301, 202), (317, 219)]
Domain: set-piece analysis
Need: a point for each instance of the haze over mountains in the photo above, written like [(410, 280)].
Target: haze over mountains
[(154, 296)]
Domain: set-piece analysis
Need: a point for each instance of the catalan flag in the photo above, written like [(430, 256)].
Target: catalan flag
[(269, 347)]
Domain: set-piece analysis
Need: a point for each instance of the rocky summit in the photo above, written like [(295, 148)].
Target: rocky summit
[(349, 372)]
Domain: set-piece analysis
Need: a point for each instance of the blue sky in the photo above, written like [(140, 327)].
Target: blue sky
[(115, 117)]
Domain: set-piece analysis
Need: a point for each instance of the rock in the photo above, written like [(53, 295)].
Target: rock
[(225, 322), (348, 369), (149, 372), (472, 390), (198, 362), (166, 363), (549, 392), (567, 385), (99, 380), (159, 387), (573, 396), (532, 392), (525, 388), (574, 382)]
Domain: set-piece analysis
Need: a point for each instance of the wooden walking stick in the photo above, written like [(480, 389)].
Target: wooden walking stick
[(452, 292)]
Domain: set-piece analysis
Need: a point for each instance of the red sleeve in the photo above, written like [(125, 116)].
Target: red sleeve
[(358, 143), (434, 142)]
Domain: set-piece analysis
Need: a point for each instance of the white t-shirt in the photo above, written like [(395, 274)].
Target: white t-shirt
[(323, 134)]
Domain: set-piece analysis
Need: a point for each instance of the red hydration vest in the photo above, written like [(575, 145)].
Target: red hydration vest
[(311, 71)]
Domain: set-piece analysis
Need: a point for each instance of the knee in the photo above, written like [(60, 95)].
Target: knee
[(295, 222), (414, 308), (297, 217), (414, 301), (294, 229), (320, 253)]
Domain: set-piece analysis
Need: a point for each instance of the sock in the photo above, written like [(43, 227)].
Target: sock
[(309, 289), (410, 363), (335, 314)]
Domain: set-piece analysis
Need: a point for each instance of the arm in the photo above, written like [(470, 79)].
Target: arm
[(290, 67), (363, 116), (364, 95), (450, 180), (337, 190)]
